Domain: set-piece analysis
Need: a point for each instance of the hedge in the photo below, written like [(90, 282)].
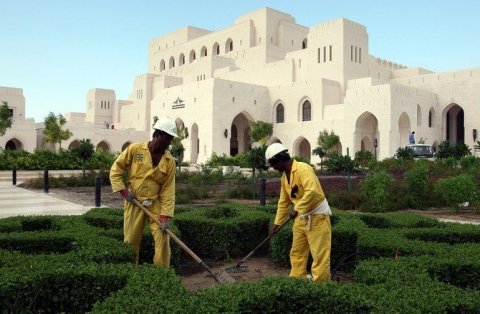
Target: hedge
[(224, 231), (436, 271)]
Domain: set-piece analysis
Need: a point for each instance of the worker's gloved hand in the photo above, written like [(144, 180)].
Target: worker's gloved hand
[(165, 220), (273, 230), (129, 196), (292, 213)]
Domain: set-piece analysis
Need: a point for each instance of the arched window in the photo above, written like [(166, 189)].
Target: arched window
[(280, 114), (162, 65), (181, 59), (192, 56), (431, 116), (228, 45), (203, 52), (216, 49), (171, 63), (304, 44), (306, 111)]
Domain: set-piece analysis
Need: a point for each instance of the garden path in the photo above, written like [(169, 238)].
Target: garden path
[(15, 201)]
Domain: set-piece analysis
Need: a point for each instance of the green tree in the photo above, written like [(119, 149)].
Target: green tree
[(53, 132), (176, 148), (326, 141), (85, 151), (6, 119), (260, 132)]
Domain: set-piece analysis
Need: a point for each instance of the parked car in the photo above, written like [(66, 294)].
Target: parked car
[(421, 151)]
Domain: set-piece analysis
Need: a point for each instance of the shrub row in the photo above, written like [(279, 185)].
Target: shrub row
[(431, 276), (46, 159), (223, 231)]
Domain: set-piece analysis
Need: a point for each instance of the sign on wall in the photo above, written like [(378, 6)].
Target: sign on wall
[(178, 104)]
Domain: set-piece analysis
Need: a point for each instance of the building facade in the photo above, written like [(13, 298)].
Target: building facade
[(304, 80)]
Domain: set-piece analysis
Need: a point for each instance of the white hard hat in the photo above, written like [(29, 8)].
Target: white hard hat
[(166, 125), (274, 149)]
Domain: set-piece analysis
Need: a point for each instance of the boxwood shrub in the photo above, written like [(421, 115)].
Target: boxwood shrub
[(223, 231), (436, 271)]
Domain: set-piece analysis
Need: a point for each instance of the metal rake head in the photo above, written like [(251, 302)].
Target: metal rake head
[(239, 268)]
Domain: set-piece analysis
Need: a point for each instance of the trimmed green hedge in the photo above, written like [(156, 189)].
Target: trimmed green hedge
[(224, 231), (436, 272)]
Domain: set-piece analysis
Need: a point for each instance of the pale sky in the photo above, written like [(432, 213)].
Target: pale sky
[(56, 50)]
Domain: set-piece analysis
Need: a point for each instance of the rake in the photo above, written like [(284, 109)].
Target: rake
[(223, 278), (240, 267)]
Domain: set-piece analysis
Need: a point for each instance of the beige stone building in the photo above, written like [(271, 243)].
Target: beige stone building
[(302, 79), (21, 135)]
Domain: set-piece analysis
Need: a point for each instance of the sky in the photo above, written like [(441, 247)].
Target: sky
[(56, 50)]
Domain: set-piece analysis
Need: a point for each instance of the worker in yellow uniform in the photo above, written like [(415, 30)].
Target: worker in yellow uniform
[(311, 228), (151, 180)]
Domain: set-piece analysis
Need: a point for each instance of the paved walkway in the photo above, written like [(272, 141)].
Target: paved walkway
[(15, 201)]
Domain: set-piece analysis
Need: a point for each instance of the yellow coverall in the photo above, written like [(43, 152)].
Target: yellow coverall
[(147, 183), (318, 239)]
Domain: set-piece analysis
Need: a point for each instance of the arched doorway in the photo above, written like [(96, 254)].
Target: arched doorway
[(194, 144), (240, 134), (74, 145), (404, 129), (302, 148), (366, 130), (454, 124), (104, 146), (14, 144)]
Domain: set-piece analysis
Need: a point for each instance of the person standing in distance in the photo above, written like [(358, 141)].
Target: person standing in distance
[(151, 180), (411, 138), (311, 229)]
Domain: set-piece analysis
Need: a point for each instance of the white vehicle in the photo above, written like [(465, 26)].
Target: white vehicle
[(421, 151)]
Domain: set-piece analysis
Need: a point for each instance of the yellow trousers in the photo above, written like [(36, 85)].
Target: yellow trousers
[(134, 222), (316, 241)]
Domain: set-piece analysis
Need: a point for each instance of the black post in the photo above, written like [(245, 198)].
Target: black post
[(14, 175), (262, 191), (45, 181), (98, 191), (349, 181)]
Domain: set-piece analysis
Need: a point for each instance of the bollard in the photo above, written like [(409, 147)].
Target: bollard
[(45, 181), (262, 191), (14, 175), (98, 191), (349, 181)]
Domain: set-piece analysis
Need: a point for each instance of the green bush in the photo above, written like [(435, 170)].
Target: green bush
[(220, 232), (455, 191), (404, 153), (374, 191), (435, 271), (336, 163), (42, 159), (37, 223), (344, 200), (418, 187), (363, 157)]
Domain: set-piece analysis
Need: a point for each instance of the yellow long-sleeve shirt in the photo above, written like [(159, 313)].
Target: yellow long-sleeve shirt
[(308, 196), (145, 180)]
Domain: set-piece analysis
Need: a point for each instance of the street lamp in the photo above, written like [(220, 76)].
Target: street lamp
[(375, 144)]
